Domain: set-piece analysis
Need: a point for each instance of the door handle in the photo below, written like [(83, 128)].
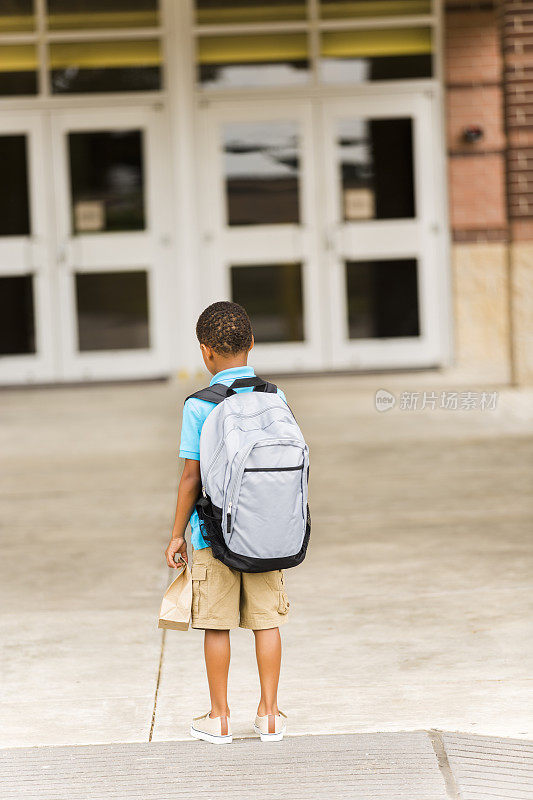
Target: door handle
[(61, 256), (332, 240), (65, 255)]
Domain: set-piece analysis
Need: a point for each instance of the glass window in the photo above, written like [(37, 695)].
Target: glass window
[(17, 328), (382, 298), (221, 12), (18, 69), (376, 160), (272, 296), (16, 16), (344, 9), (14, 199), (109, 66), (375, 55), (112, 310), (262, 173), (79, 14), (106, 181), (229, 62)]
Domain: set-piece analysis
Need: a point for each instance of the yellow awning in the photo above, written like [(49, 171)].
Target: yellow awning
[(387, 42), (374, 8), (18, 58), (132, 53), (16, 23), (263, 47), (88, 20), (233, 14)]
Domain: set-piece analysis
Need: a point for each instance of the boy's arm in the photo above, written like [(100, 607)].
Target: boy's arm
[(188, 491)]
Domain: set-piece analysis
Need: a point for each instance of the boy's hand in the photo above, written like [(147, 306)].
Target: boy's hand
[(176, 546)]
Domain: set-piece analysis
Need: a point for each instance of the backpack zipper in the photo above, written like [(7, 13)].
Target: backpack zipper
[(240, 470), (228, 519)]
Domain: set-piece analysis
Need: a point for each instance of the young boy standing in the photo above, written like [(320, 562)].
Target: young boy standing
[(224, 598)]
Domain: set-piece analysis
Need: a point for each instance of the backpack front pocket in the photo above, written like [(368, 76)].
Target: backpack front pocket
[(266, 517)]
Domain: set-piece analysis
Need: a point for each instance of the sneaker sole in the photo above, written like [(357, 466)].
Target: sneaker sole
[(270, 737), (209, 737)]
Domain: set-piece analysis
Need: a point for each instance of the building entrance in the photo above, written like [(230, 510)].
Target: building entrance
[(321, 217), (83, 234)]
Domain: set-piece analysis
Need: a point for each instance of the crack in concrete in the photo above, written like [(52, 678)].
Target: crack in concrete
[(159, 670), (444, 765)]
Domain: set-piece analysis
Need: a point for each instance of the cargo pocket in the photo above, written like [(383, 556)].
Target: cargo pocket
[(283, 604), (283, 601), (199, 589)]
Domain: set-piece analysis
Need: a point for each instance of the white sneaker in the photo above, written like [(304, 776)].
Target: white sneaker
[(271, 727), (216, 730)]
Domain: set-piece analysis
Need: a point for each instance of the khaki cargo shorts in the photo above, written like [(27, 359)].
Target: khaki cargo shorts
[(224, 598)]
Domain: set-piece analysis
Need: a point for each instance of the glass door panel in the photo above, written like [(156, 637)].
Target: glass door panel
[(261, 164), (383, 234), (260, 226), (376, 163), (113, 218), (26, 346), (106, 181), (272, 295)]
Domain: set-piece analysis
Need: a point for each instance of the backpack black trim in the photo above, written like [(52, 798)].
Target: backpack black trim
[(219, 392), (211, 517)]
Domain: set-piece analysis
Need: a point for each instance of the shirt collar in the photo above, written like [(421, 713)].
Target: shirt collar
[(232, 372)]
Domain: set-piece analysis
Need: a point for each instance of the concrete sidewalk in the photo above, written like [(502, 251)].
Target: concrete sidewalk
[(384, 766), (412, 611)]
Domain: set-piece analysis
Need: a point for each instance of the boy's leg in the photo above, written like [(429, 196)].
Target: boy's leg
[(217, 657), (268, 653), (264, 606)]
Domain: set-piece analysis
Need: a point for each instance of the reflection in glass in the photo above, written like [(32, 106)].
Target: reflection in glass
[(355, 56), (14, 199), (221, 12), (79, 14), (108, 66), (17, 327), (376, 159), (262, 172), (106, 180), (272, 296), (112, 310), (335, 9), (382, 298), (16, 16), (229, 62), (18, 69)]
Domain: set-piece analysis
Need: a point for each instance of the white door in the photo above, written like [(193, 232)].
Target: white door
[(324, 219), (26, 325), (384, 232), (259, 225), (112, 223)]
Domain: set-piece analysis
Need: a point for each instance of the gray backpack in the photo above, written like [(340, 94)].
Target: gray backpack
[(254, 464)]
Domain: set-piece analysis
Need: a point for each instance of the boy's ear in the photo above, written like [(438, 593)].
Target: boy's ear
[(253, 342)]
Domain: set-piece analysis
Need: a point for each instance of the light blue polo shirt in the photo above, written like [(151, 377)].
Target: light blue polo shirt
[(195, 413)]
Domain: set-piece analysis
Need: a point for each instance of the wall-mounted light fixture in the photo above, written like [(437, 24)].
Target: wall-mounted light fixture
[(473, 133)]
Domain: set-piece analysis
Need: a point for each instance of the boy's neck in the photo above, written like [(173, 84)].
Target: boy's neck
[(221, 363)]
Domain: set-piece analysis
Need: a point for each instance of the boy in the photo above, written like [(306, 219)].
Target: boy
[(224, 598)]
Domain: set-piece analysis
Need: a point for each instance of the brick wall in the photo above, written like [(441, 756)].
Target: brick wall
[(489, 83), (474, 96), (517, 46)]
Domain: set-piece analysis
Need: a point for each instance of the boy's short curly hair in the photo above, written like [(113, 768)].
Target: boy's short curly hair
[(225, 327)]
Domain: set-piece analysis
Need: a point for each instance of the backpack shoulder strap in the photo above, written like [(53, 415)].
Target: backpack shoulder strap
[(218, 392), (212, 394), (256, 383)]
